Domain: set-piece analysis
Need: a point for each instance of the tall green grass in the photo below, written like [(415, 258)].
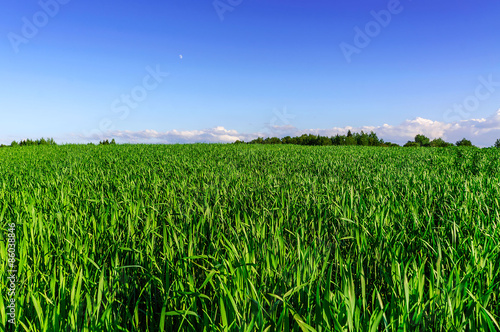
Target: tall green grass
[(252, 238)]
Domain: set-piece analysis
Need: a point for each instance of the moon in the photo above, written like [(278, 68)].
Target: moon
[(180, 56)]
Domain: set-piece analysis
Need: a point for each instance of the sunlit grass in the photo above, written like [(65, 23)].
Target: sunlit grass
[(252, 238)]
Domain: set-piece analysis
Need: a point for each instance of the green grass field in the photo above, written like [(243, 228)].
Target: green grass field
[(252, 238)]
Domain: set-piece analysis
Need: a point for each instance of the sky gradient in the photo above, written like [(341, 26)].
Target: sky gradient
[(82, 71)]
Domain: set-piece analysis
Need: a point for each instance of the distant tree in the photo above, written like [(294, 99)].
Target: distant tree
[(422, 140), (45, 141), (338, 140), (28, 142), (258, 140), (440, 143), (463, 142), (113, 142), (350, 140), (323, 140), (374, 140), (411, 144), (313, 139), (362, 139), (14, 144), (51, 141), (497, 143), (272, 140), (307, 139), (286, 140)]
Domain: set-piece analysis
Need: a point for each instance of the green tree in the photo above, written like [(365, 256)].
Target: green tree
[(411, 144), (323, 140), (374, 140), (338, 140), (272, 140), (350, 140), (258, 140), (422, 140), (51, 141), (463, 142), (28, 142), (497, 143), (440, 143), (362, 139)]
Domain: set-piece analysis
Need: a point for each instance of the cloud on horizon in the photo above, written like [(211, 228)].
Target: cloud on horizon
[(482, 132)]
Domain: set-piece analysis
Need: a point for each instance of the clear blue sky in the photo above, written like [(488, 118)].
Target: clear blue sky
[(68, 77)]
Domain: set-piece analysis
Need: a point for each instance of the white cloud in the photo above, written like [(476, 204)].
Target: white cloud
[(213, 135), (482, 132)]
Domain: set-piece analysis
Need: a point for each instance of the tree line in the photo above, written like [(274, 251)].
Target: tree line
[(47, 141), (361, 139), (30, 142)]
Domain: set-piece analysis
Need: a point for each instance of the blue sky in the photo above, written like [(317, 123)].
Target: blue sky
[(241, 69)]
